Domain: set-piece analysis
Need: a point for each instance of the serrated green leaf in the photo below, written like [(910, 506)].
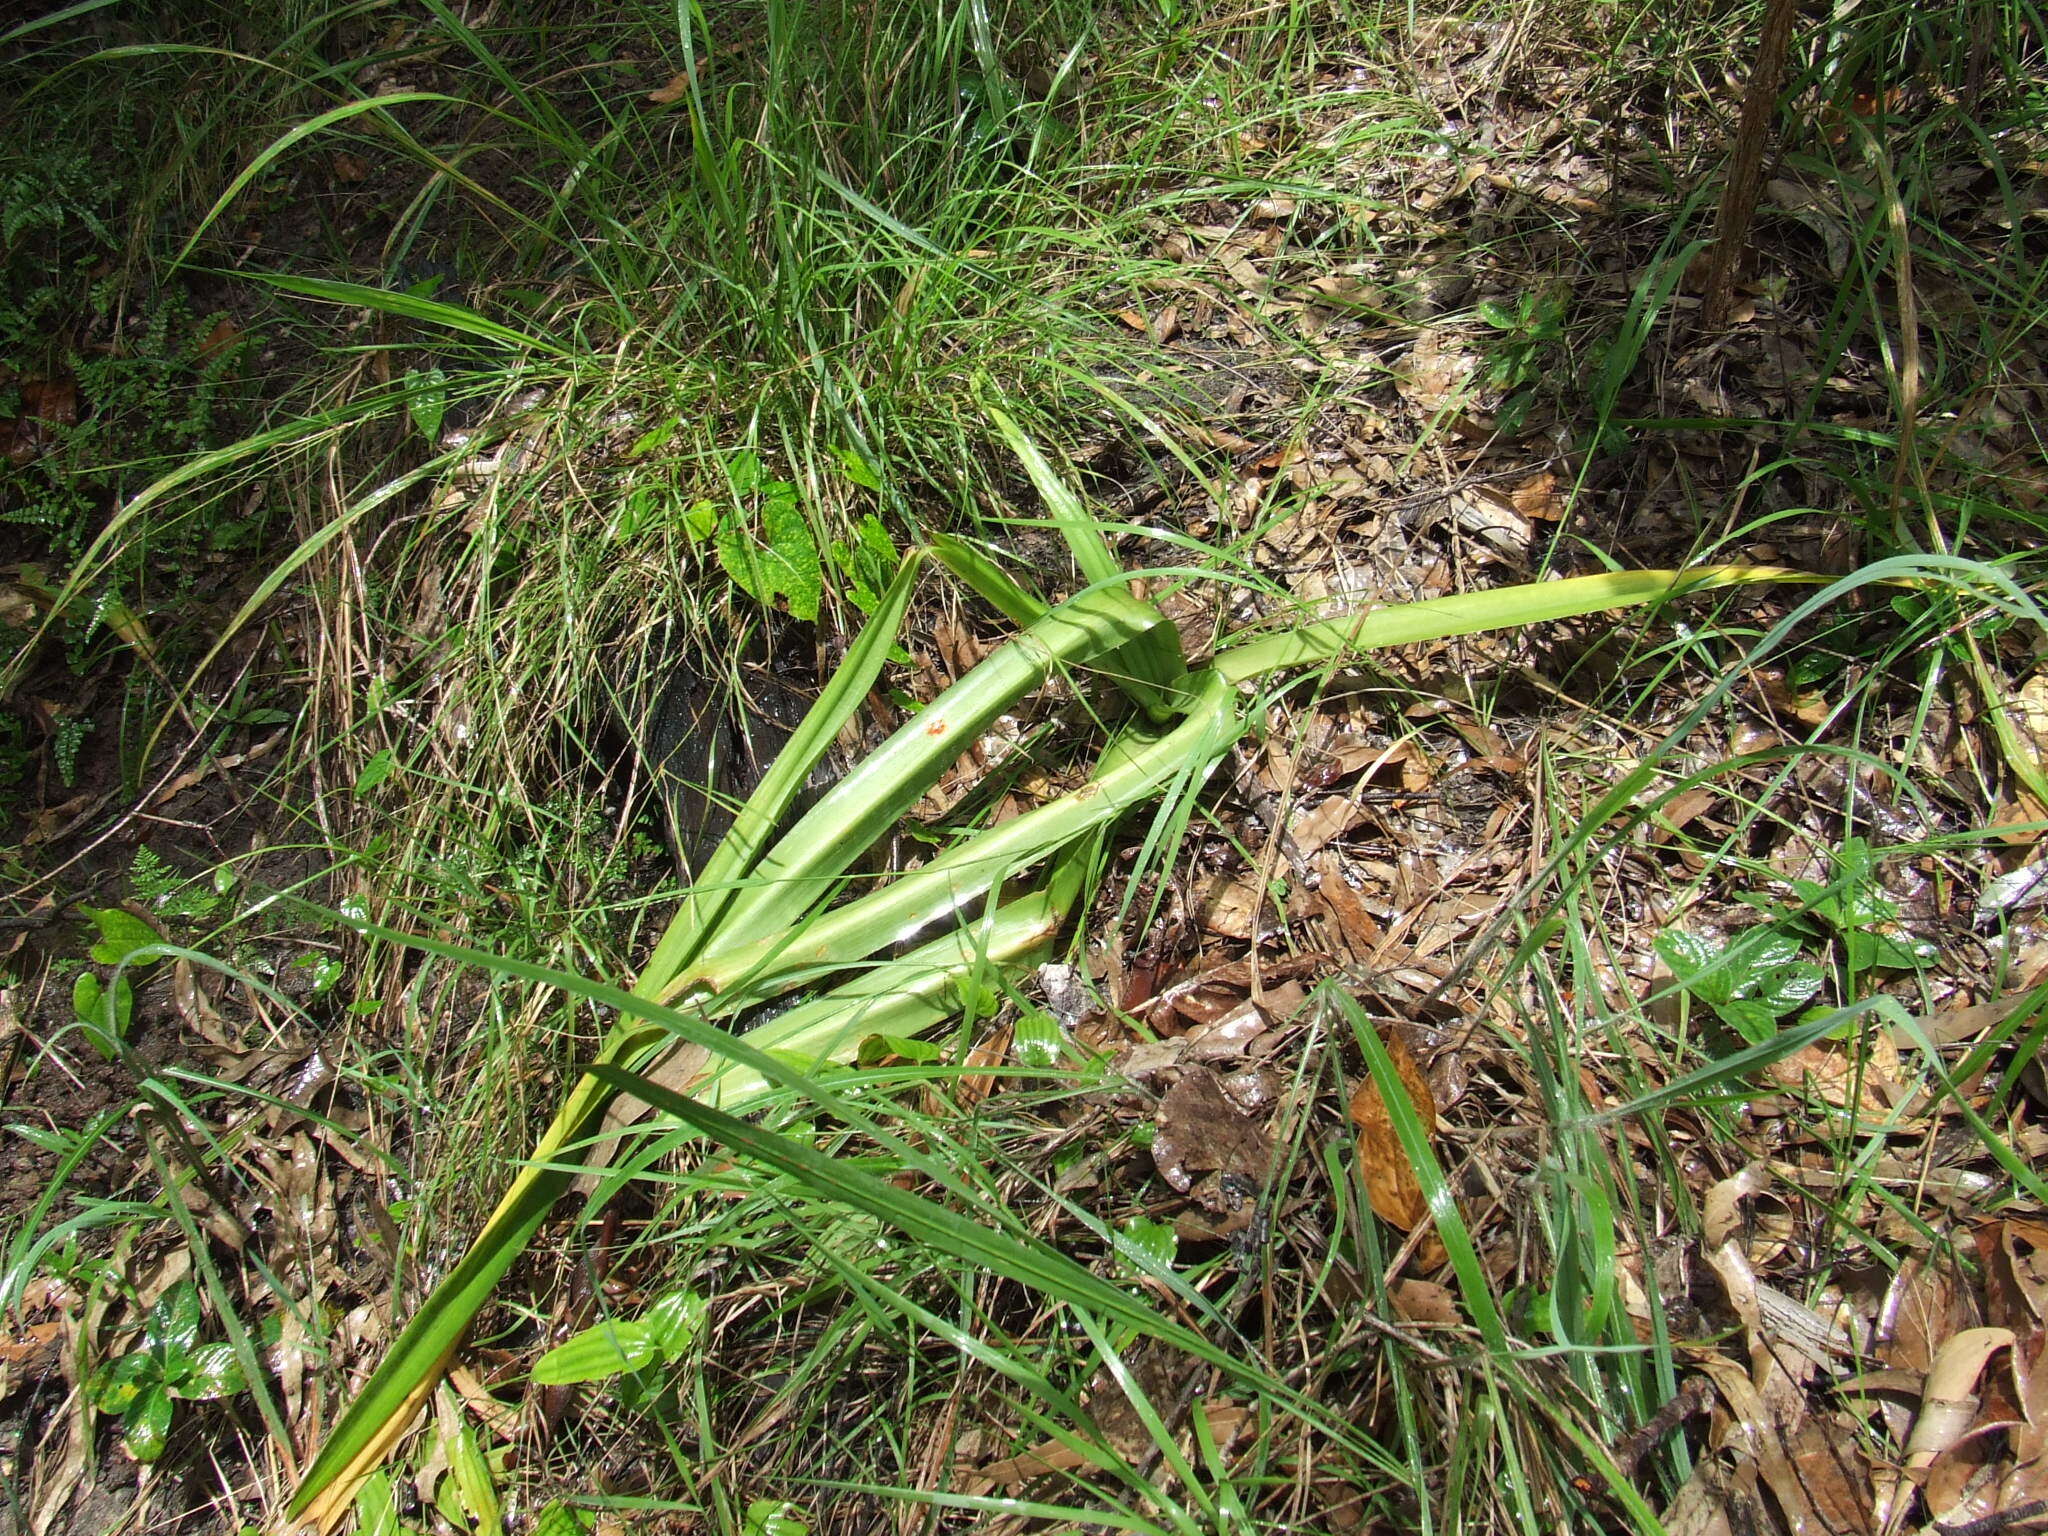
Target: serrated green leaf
[(875, 1049), (1754, 956), (608, 1349), (1791, 986), (790, 542), (782, 560)]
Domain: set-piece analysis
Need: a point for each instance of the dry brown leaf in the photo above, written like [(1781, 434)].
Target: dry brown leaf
[(1539, 497), (1230, 905), (1329, 820), (2014, 1254), (1781, 698), (1390, 1180), (979, 1079), (1355, 929), (1870, 1072), (1425, 1302), (1199, 1131), (1947, 1410), (677, 88)]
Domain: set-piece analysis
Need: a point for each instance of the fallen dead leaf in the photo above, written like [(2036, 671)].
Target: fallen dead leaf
[(1199, 1131), (1425, 1302), (1230, 905), (1390, 1181), (677, 88), (1947, 1409)]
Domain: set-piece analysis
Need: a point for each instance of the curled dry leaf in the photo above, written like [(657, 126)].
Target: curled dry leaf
[(677, 88), (1390, 1180), (1948, 1406)]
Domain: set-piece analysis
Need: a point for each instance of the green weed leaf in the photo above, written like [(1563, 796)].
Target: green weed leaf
[(1037, 1040), (379, 768), (211, 1373), (1147, 1244), (745, 471), (426, 399), (858, 470), (876, 1049), (173, 1327), (782, 560), (471, 1474), (562, 1520), (121, 934), (675, 1321), (146, 1426), (774, 1517), (596, 1354), (123, 1381), (1691, 957)]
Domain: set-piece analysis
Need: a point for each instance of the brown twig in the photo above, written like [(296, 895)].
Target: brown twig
[(1746, 163)]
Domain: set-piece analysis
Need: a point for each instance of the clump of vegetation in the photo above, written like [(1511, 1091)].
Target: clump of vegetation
[(1407, 897)]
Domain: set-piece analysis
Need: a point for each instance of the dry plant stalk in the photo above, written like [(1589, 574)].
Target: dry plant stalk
[(1746, 163)]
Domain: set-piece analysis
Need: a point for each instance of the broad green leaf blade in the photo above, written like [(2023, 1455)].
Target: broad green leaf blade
[(122, 934), (907, 996), (214, 1373), (596, 1354), (1467, 613), (675, 1321), (988, 581), (797, 874), (1091, 551), (705, 905), (1150, 666), (967, 871)]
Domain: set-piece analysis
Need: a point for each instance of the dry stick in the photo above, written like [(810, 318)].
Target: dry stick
[(1746, 163)]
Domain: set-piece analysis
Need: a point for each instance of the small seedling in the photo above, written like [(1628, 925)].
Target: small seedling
[(1515, 360), (1855, 912), (1750, 981), (775, 1517), (105, 1012), (772, 552), (170, 1365), (637, 1350)]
